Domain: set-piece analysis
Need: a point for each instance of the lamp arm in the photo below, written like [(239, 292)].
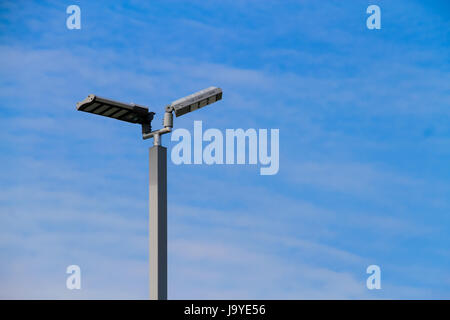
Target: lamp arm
[(168, 125)]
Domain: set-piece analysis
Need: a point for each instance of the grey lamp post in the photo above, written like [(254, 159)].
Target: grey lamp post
[(157, 168)]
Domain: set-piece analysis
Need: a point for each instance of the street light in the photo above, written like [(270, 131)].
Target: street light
[(196, 100), (157, 168), (114, 109)]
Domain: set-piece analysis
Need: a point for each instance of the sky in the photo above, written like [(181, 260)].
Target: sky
[(364, 141)]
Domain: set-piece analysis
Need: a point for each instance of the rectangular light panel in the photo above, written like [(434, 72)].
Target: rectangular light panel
[(196, 100), (114, 109)]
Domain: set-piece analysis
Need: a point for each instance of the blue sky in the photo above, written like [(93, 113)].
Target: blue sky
[(364, 149)]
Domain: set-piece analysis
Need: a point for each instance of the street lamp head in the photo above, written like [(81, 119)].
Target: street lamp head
[(195, 101), (138, 114), (113, 109)]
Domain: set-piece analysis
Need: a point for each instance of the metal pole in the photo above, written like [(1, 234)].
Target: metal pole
[(158, 222)]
